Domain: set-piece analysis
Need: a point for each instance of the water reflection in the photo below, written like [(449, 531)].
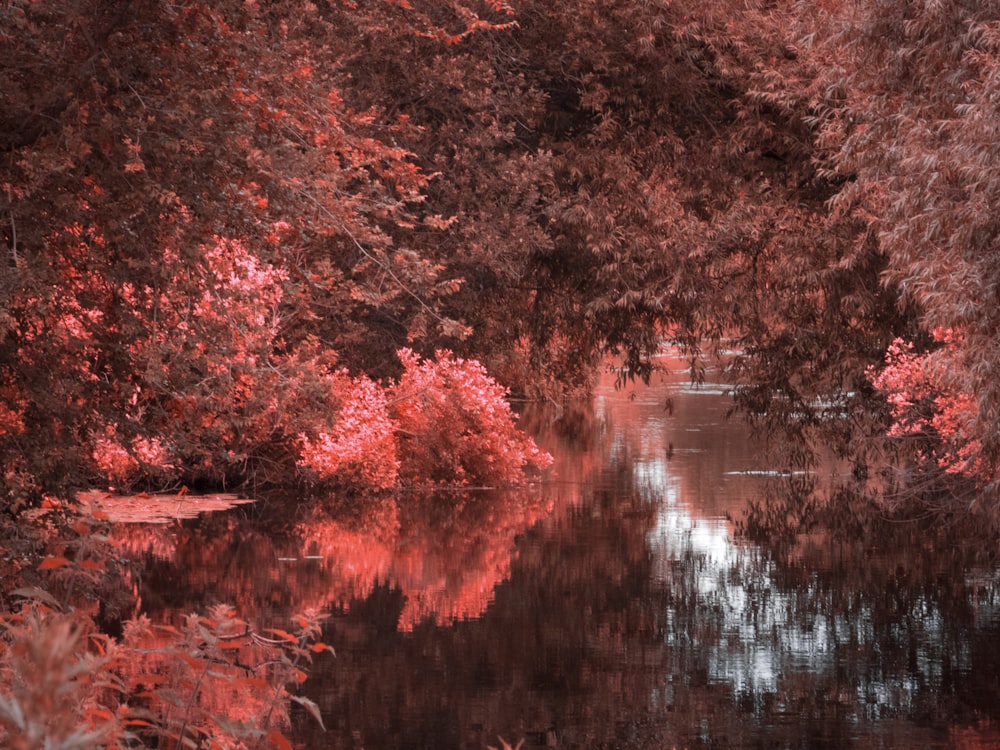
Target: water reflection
[(444, 552), (614, 606), (871, 654)]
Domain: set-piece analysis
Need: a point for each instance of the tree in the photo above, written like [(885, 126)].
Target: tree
[(906, 121), (534, 187), (198, 230)]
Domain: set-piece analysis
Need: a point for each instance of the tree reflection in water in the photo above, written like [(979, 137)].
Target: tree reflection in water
[(445, 552), (615, 607)]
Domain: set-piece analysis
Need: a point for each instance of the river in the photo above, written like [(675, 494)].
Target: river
[(612, 605)]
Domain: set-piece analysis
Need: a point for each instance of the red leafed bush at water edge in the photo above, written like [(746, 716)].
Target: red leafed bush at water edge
[(205, 389), (455, 425), (930, 409), (360, 447)]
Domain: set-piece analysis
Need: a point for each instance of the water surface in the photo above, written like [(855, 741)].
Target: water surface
[(611, 606)]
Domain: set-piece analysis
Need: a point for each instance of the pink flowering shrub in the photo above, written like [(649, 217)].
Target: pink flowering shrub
[(111, 459), (120, 464), (445, 422), (455, 425), (200, 341), (929, 409)]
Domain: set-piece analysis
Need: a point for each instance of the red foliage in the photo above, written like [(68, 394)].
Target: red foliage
[(456, 426), (360, 447), (188, 208), (446, 421), (208, 208), (931, 410), (447, 552), (213, 681)]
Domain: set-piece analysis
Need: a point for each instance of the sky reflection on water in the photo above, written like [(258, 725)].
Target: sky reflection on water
[(777, 647)]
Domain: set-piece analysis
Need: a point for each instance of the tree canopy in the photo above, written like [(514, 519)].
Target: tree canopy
[(224, 219)]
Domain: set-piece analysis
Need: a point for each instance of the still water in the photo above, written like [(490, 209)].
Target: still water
[(612, 605)]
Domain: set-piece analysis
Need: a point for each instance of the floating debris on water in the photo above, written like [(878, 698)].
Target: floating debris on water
[(149, 508)]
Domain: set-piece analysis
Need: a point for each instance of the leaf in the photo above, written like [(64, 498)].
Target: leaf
[(50, 563), (319, 647), (91, 565), (284, 634), (311, 707), (192, 661), (280, 741), (33, 592)]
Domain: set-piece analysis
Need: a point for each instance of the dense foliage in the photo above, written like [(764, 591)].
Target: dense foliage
[(911, 132), (223, 220), (200, 239), (211, 681)]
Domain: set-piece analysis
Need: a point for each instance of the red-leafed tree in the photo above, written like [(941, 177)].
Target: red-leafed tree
[(199, 231), (221, 217)]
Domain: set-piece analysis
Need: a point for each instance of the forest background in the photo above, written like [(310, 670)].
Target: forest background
[(259, 243)]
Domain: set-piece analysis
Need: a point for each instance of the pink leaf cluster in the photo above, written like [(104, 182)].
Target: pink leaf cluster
[(112, 458), (456, 426), (120, 464), (360, 446), (445, 422), (200, 341), (930, 408), (219, 387)]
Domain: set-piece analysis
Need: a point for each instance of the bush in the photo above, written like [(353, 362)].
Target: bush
[(456, 427), (212, 683)]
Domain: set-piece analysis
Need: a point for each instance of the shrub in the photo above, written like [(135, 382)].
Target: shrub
[(455, 425), (213, 682), (359, 447)]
